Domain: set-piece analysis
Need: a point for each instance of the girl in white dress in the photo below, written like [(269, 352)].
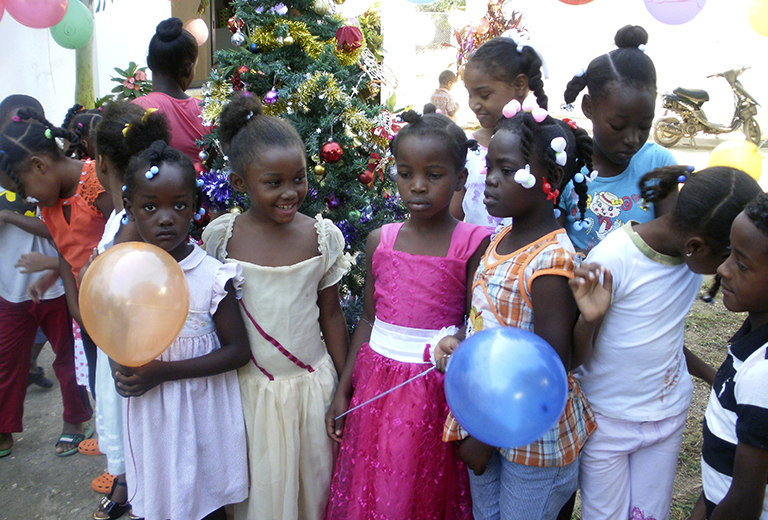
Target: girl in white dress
[(292, 265), (184, 430)]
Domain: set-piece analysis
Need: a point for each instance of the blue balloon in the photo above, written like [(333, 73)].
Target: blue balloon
[(506, 386)]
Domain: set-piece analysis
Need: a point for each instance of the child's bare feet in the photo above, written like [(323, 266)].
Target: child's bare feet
[(475, 454)]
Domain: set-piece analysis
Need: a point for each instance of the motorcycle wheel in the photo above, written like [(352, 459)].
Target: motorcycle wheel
[(667, 131), (752, 131)]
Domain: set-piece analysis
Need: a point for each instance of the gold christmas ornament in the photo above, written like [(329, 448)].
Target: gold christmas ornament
[(320, 170), (321, 7)]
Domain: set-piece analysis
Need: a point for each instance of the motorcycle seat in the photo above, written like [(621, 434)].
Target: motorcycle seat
[(695, 95)]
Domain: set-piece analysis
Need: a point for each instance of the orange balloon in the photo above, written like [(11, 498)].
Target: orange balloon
[(134, 300)]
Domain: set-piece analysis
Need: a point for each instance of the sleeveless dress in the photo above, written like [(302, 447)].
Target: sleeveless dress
[(289, 383), (185, 440), (392, 464)]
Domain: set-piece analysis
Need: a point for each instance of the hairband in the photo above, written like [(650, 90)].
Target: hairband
[(48, 134), (580, 177), (552, 194), (529, 105), (199, 214), (525, 178), (581, 72), (16, 119), (152, 172), (683, 177), (558, 145), (570, 122), (641, 47), (125, 129), (147, 113), (249, 116), (523, 40), (200, 183)]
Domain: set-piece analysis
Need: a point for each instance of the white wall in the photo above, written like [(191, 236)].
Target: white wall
[(34, 64)]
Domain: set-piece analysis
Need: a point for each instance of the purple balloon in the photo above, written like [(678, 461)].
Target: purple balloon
[(674, 12)]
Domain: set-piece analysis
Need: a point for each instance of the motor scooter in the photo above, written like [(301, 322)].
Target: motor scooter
[(686, 105)]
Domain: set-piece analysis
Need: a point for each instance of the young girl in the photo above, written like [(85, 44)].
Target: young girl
[(633, 302), (73, 205), (184, 426), (522, 281), (620, 102), (172, 56), (82, 123), (124, 131), (292, 266), (392, 464), (499, 71)]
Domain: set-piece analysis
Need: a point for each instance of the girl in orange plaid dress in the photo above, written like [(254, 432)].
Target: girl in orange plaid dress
[(522, 281)]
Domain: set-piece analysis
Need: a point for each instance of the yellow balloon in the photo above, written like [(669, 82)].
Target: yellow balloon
[(758, 16), (738, 154), (134, 300)]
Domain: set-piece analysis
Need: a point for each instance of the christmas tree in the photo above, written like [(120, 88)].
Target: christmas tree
[(312, 68)]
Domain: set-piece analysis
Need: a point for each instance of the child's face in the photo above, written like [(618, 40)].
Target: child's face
[(487, 96), (745, 271), (621, 121), (276, 184), (163, 208), (504, 197), (37, 181), (426, 175)]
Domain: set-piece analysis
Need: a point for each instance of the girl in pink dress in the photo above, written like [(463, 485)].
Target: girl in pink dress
[(392, 464)]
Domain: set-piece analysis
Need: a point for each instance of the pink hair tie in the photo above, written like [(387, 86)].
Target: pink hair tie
[(16, 119), (511, 108)]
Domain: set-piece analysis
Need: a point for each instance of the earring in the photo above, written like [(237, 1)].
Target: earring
[(125, 219)]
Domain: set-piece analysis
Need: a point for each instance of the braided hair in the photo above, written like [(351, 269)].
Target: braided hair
[(14, 102), (30, 133), (628, 65), (81, 122), (502, 61), (440, 127), (158, 153), (245, 132), (535, 141), (757, 212)]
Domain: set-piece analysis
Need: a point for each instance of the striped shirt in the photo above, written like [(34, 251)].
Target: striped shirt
[(443, 102), (737, 412), (501, 296)]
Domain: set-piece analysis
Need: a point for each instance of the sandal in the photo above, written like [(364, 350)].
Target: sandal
[(131, 516), (74, 439), (108, 508), (103, 483), (37, 377), (90, 447)]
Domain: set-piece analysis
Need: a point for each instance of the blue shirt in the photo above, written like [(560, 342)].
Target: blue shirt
[(612, 201)]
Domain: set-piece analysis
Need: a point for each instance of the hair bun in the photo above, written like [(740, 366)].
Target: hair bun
[(170, 29), (630, 36), (235, 115), (410, 116)]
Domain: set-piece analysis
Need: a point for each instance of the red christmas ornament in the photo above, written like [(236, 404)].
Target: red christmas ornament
[(331, 152), (349, 38), (365, 178), (235, 24), (237, 82)]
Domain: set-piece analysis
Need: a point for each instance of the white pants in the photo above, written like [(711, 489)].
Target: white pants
[(627, 468), (109, 416)]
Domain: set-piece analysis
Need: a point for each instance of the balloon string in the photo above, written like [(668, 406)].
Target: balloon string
[(130, 447), (427, 371)]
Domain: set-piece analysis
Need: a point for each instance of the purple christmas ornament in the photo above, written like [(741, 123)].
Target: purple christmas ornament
[(270, 97)]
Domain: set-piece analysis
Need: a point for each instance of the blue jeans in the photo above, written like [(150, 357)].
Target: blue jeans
[(512, 491)]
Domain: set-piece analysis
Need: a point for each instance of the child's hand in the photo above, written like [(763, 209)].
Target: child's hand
[(443, 351), (475, 454), (339, 405), (135, 381), (591, 286), (34, 262), (38, 288)]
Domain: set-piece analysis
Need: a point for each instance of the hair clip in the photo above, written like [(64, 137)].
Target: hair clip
[(579, 178), (525, 178), (580, 225), (684, 177), (16, 119), (529, 105), (641, 47), (147, 113), (591, 176), (125, 129), (79, 125), (570, 122), (152, 172), (249, 116), (558, 145), (200, 183), (199, 214), (511, 108), (125, 219), (558, 212), (581, 72), (546, 187), (124, 188), (48, 134), (100, 109)]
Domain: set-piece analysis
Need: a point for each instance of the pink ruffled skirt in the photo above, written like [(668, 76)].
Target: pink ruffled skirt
[(392, 464)]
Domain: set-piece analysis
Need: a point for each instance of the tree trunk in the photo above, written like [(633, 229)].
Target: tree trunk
[(84, 91)]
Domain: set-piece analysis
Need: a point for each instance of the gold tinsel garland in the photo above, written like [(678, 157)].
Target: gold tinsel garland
[(216, 94)]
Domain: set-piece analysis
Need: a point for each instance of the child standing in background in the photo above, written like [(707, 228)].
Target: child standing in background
[(499, 71), (734, 458), (522, 281), (441, 97), (620, 102), (392, 463), (633, 297), (171, 58), (183, 420), (292, 265)]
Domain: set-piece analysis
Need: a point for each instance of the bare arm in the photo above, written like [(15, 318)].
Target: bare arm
[(744, 499), (554, 323), (105, 204), (333, 325), (34, 262), (29, 224), (698, 368), (455, 208), (593, 297), (70, 289), (362, 334)]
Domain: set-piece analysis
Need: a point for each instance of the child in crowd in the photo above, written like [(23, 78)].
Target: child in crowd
[(292, 265), (73, 205), (500, 70), (734, 458), (171, 58), (21, 314), (392, 463), (522, 281), (441, 97), (124, 131), (620, 102), (184, 426), (633, 297), (82, 123)]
